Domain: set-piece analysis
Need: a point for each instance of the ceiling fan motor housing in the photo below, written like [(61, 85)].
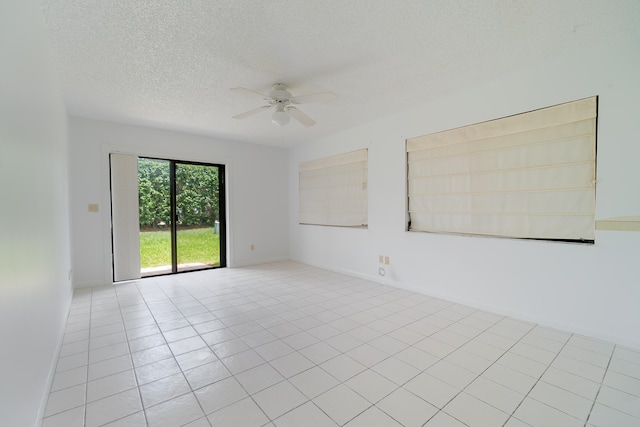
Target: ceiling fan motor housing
[(279, 94)]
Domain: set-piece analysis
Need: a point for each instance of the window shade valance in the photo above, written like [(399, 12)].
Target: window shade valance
[(333, 190), (530, 175)]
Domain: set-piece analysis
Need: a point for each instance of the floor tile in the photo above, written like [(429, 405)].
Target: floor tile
[(571, 382), (313, 347), (367, 355), (494, 394), (341, 403), (562, 400), (179, 334), (407, 408), (200, 422), (442, 419), (604, 416), (156, 370), (164, 389), (373, 417), (259, 378), (474, 412), (451, 374), (186, 345), (431, 389), (69, 378), (371, 385), (229, 347), (623, 383), (71, 362), (300, 340), (109, 367), (273, 350), (243, 413), (291, 364), (577, 367), (396, 370), (343, 367), (242, 361), (319, 352), (522, 364), (220, 394), (113, 408), (63, 400), (620, 401), (206, 374), (313, 382), (112, 384), (307, 415), (174, 412), (279, 399), (195, 358), (538, 414), (151, 355), (510, 378), (417, 358), (624, 367), (134, 420), (344, 342), (70, 418)]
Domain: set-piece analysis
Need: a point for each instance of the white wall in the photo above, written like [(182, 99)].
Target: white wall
[(592, 290), (35, 291), (257, 192)]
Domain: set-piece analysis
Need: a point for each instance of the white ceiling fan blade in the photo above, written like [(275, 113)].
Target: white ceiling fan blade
[(249, 93), (251, 112), (301, 117), (315, 97)]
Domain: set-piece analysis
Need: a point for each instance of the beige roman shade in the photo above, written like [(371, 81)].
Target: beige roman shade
[(531, 175), (333, 190)]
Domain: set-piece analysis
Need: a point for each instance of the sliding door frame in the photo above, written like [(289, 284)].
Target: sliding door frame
[(222, 211)]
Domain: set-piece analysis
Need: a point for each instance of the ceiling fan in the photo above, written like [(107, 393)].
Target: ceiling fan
[(283, 104)]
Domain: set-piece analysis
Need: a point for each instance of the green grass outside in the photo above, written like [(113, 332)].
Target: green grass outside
[(196, 245)]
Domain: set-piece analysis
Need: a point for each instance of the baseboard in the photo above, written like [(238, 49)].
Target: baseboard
[(54, 363), (259, 261)]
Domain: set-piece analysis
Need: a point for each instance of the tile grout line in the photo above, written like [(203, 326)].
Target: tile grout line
[(593, 404)]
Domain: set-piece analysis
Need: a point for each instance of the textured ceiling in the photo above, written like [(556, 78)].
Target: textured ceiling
[(170, 64)]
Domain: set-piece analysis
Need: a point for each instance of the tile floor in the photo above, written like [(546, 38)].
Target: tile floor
[(290, 345)]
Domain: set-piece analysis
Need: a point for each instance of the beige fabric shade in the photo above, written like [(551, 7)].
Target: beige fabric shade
[(531, 175), (333, 190)]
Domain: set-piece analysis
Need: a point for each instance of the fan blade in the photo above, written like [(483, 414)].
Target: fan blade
[(251, 112), (301, 117), (248, 92), (315, 97)]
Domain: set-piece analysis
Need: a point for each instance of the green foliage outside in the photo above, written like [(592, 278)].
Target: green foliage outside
[(197, 245), (196, 194)]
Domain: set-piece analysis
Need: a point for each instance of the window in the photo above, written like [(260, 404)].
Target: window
[(530, 175), (333, 190)]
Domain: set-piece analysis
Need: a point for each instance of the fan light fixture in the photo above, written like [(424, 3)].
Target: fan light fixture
[(280, 117), (283, 104)]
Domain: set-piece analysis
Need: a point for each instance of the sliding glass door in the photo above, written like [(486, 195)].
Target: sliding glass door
[(181, 210), (198, 221)]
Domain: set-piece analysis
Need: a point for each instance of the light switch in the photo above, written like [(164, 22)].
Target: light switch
[(93, 207)]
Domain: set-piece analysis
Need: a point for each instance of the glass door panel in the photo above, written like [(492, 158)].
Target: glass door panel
[(198, 237)]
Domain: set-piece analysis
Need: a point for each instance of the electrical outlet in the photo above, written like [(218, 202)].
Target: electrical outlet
[(252, 246), (386, 260), (381, 259), (93, 207)]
